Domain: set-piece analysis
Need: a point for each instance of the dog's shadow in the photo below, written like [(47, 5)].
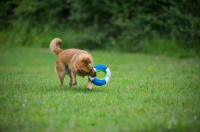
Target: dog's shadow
[(85, 90), (80, 89)]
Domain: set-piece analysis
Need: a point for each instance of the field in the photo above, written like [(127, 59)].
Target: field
[(146, 93)]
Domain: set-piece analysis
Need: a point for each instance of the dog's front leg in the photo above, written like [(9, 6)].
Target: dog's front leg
[(89, 86), (72, 79)]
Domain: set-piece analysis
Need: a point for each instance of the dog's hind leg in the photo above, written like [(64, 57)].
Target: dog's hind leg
[(61, 76), (60, 70)]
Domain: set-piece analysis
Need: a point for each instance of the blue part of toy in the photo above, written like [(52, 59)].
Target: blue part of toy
[(98, 82), (106, 79), (100, 67)]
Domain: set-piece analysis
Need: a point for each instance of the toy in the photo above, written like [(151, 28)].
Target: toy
[(106, 79)]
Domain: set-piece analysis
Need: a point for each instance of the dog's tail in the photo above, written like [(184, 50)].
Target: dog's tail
[(55, 45)]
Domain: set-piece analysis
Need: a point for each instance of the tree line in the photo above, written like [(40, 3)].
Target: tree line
[(127, 24)]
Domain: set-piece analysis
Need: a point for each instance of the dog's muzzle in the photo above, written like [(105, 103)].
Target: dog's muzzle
[(93, 73)]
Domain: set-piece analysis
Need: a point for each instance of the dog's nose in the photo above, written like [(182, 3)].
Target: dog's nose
[(93, 73)]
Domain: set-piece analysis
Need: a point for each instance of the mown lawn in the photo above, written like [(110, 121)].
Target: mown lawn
[(146, 93)]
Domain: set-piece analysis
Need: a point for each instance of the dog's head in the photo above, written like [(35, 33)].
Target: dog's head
[(85, 67)]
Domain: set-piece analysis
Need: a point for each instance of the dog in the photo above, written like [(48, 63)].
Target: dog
[(72, 62)]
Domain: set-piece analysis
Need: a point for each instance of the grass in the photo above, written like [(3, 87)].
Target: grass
[(146, 93)]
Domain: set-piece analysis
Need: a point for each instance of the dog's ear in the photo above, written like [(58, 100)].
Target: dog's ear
[(86, 60)]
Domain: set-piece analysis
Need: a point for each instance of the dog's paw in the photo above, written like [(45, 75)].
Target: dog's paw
[(72, 83), (89, 88)]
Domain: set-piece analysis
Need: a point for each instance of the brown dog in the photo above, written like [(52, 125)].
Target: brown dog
[(72, 62)]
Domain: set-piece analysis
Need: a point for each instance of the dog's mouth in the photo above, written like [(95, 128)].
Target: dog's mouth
[(93, 73)]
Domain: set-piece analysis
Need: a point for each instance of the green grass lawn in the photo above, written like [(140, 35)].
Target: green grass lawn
[(145, 93)]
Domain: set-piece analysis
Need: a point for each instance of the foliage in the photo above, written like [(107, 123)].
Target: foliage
[(6, 14), (127, 25)]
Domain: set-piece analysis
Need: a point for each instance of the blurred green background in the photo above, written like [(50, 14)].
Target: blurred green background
[(155, 27)]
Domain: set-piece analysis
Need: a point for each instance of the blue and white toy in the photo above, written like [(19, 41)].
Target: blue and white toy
[(106, 79)]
